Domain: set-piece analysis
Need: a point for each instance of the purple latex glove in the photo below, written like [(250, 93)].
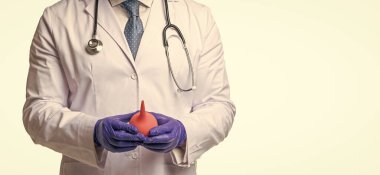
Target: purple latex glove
[(116, 135), (169, 134)]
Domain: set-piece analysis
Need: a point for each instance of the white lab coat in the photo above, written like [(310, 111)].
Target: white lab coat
[(69, 90)]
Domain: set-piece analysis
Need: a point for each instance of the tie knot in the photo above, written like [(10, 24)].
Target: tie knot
[(132, 6)]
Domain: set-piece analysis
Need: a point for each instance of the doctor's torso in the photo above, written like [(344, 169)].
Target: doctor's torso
[(112, 82), (113, 76)]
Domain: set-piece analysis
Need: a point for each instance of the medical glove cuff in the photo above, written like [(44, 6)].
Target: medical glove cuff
[(97, 144), (183, 134)]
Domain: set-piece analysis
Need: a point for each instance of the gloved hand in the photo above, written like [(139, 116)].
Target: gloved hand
[(169, 134), (116, 135)]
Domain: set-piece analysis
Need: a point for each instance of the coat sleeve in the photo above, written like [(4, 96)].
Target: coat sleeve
[(46, 117), (213, 112)]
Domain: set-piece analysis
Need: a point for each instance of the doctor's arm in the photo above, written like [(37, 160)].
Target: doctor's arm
[(46, 115), (213, 112)]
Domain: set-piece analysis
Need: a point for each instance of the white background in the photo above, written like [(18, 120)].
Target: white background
[(305, 77)]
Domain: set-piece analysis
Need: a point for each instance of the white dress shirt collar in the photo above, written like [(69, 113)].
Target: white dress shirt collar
[(147, 3)]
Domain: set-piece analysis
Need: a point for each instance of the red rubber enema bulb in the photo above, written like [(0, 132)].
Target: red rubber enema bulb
[(143, 121)]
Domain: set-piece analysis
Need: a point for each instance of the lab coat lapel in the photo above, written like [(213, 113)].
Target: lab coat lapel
[(153, 29), (107, 19)]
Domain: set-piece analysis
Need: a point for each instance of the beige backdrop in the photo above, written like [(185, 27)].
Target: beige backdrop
[(305, 76)]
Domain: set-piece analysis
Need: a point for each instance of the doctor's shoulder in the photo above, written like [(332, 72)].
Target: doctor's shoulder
[(202, 15), (55, 15), (201, 11)]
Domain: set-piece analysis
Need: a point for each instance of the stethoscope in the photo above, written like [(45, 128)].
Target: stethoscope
[(95, 45)]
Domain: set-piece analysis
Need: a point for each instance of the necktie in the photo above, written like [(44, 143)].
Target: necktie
[(133, 30)]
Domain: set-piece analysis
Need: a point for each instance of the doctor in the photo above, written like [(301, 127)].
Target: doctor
[(79, 102)]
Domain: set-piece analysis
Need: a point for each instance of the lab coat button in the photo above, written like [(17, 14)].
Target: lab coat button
[(133, 76), (134, 155)]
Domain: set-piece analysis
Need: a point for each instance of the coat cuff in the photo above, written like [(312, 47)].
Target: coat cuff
[(94, 155), (181, 155)]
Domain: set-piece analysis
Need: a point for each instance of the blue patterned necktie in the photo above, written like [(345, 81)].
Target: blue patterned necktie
[(133, 30)]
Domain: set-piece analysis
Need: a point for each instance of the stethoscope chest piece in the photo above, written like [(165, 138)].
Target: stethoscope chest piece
[(94, 46)]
